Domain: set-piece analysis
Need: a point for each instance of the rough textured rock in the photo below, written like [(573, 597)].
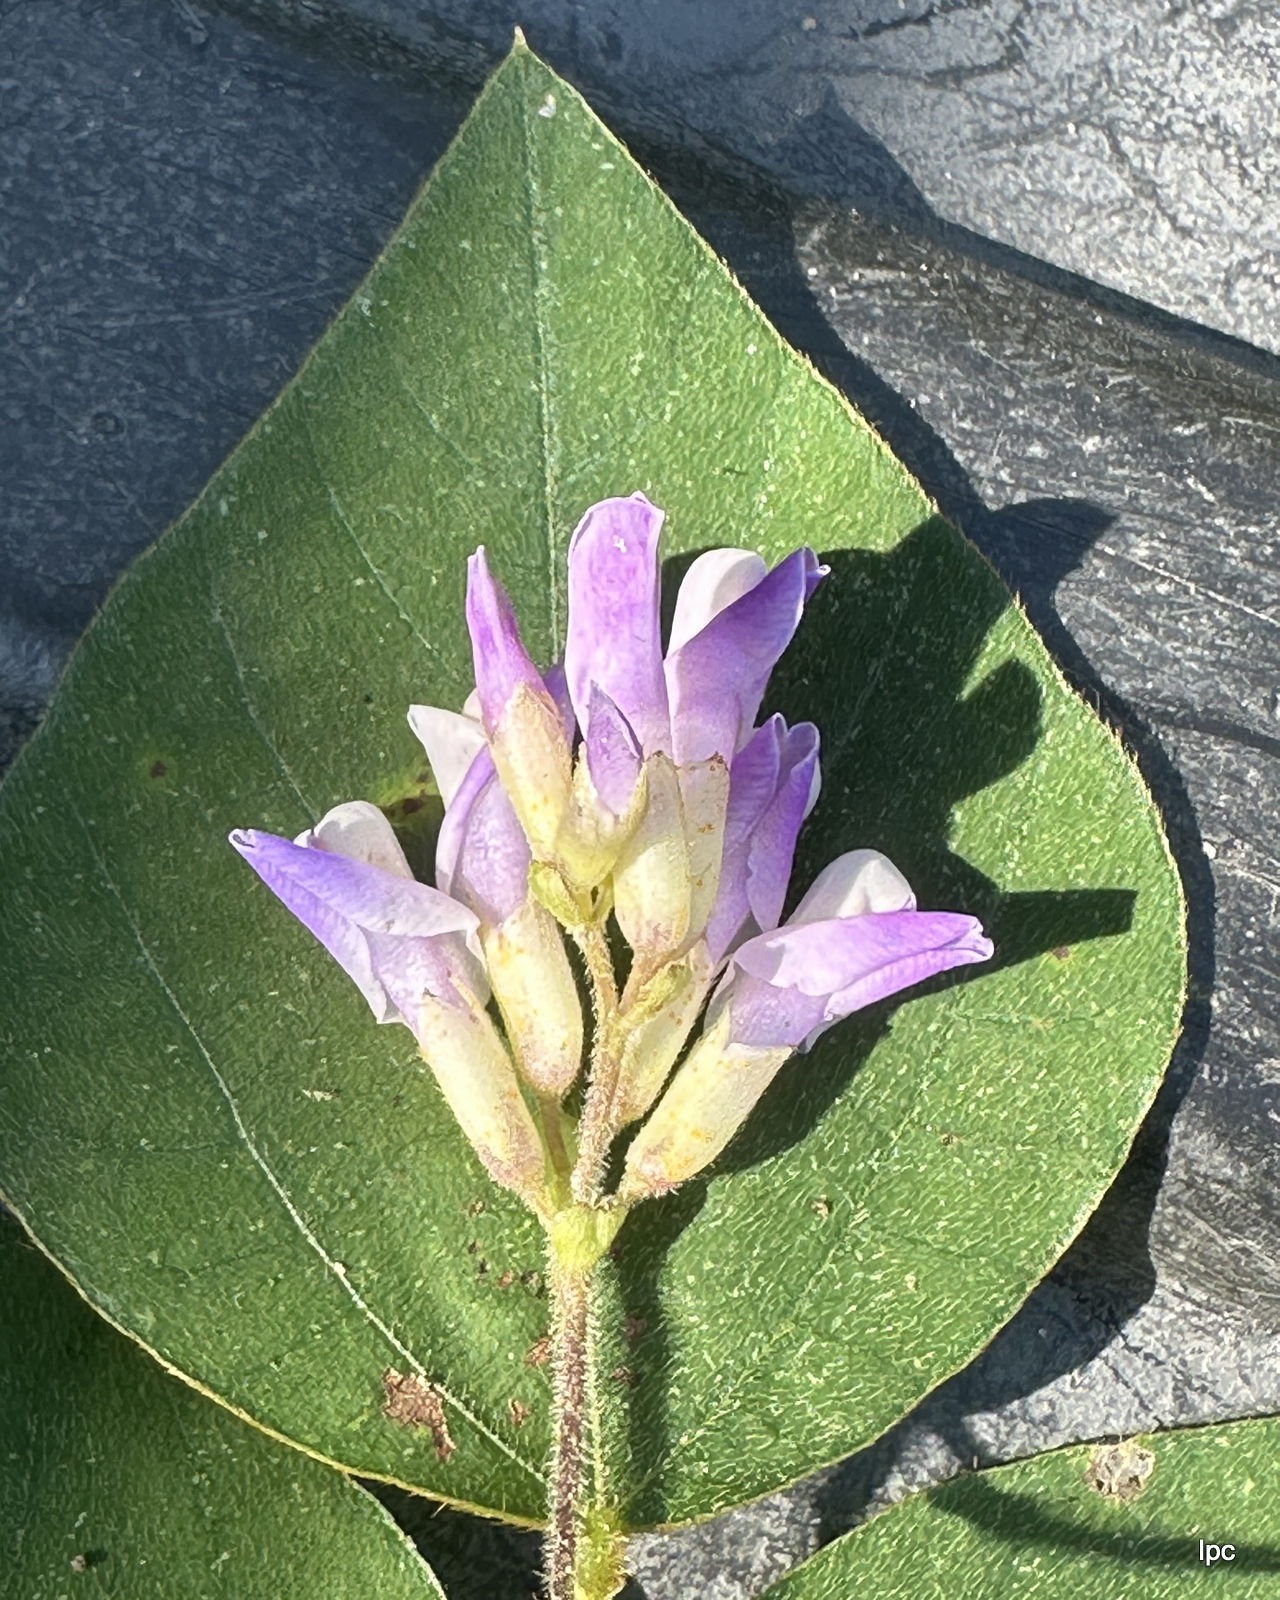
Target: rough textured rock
[(1133, 144), (186, 203), (184, 207), (1123, 480)]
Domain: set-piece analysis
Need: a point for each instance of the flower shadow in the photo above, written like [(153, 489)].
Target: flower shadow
[(883, 664), (888, 664)]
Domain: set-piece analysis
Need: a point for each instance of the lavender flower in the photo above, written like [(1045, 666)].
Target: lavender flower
[(414, 955), (635, 783), (855, 938)]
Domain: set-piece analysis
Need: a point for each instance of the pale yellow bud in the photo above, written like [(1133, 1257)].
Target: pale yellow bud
[(531, 755), (533, 984), (668, 874), (651, 1047), (708, 1100), (476, 1077), (704, 800), (652, 881)]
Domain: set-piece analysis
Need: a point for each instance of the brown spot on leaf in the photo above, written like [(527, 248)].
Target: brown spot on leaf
[(1120, 1471), (414, 1403), (410, 805), (949, 1138), (539, 1352), (519, 1414), (632, 1328), (533, 1282), (475, 1207), (158, 770), (80, 1563), (505, 1279), (1062, 952), (625, 1377), (821, 1208)]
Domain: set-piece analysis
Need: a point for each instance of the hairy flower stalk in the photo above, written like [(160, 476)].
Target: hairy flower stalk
[(625, 792)]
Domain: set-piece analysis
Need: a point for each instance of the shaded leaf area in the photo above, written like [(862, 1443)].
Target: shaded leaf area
[(197, 1117), (1044, 1527), (913, 1156), (117, 1480)]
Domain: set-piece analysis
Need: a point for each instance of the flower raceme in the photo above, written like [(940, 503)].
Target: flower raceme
[(631, 783)]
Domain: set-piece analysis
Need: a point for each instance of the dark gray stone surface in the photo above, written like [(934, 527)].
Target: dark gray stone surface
[(182, 207), (1132, 143), (1123, 478), (185, 203)]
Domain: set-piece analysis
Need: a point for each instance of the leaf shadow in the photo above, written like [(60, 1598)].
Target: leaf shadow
[(1021, 1521), (880, 678)]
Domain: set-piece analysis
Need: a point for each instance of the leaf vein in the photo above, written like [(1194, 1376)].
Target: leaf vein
[(541, 333), (379, 577), (341, 1277), (259, 727), (444, 438)]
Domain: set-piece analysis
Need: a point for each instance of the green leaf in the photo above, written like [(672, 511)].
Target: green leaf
[(197, 1117), (118, 1480), (1090, 1523)]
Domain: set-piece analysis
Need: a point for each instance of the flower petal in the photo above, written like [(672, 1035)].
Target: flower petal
[(715, 580), (366, 895), (853, 885), (716, 681), (482, 855), (452, 742), (773, 841), (396, 938), (614, 638), (614, 756), (359, 831), (492, 874), (808, 976), (501, 661), (525, 726), (558, 688), (753, 782), (772, 782)]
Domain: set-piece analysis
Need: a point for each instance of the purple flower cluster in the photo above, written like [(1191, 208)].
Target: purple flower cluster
[(627, 781)]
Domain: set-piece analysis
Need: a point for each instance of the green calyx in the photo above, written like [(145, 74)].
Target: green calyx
[(580, 1235), (549, 889)]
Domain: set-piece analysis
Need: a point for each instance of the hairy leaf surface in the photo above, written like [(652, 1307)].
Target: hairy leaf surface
[(119, 1480), (198, 1118), (1092, 1523)]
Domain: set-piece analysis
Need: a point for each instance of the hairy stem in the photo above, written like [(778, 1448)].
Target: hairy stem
[(590, 940), (571, 1356), (596, 1130)]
